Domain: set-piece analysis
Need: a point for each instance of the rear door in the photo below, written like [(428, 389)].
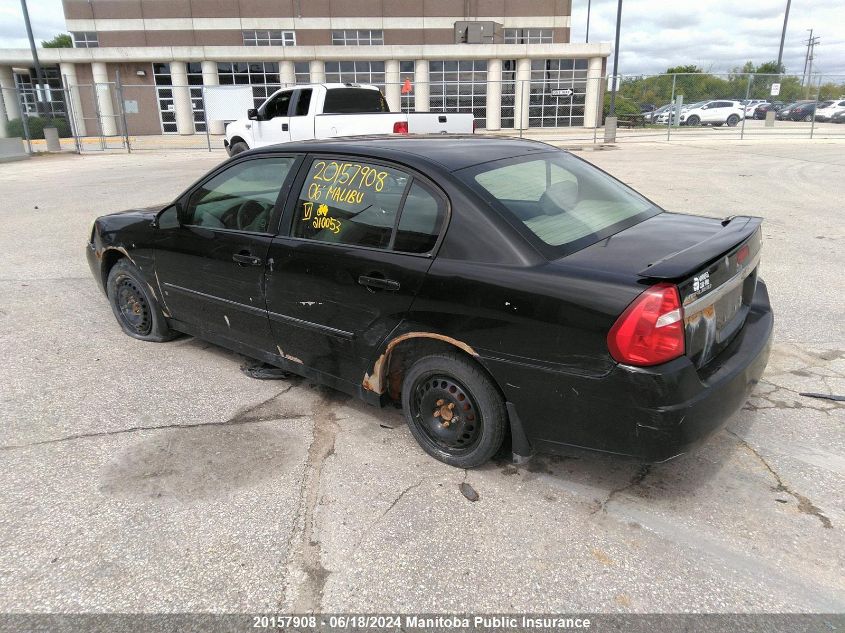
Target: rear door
[(210, 267), (355, 246)]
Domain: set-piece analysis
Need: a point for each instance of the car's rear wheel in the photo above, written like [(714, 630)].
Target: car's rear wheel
[(134, 307), (733, 120), (808, 118), (693, 120), (454, 410), (238, 147)]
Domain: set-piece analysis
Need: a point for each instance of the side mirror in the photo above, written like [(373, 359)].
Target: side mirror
[(169, 218), (252, 114)]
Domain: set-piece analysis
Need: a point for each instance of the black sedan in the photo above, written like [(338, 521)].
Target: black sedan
[(501, 290)]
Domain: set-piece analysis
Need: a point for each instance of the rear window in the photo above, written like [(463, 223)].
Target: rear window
[(350, 100), (561, 203)]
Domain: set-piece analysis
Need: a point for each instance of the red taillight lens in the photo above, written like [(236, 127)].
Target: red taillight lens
[(651, 330), (742, 254), (400, 127)]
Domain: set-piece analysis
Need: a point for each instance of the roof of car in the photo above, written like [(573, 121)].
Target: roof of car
[(451, 151)]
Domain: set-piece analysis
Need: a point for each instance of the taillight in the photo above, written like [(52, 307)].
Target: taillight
[(400, 127), (742, 254), (651, 330)]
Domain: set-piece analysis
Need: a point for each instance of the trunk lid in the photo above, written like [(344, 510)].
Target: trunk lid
[(713, 262)]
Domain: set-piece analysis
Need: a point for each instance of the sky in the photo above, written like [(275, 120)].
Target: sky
[(716, 35)]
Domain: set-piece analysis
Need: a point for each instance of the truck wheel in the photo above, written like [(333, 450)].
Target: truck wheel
[(238, 147), (454, 410), (733, 120), (134, 307)]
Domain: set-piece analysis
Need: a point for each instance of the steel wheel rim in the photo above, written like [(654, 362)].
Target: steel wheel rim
[(132, 306), (446, 413)]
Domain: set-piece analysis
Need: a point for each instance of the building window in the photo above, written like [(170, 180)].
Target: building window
[(262, 76), (358, 37), (302, 72), (166, 103), (269, 38), (51, 96), (459, 86), (529, 36), (548, 110), (356, 73), (407, 72), (85, 39), (508, 92)]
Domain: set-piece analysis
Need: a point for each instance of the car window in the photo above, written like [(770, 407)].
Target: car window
[(303, 102), (279, 106), (240, 198), (349, 202), (354, 100), (558, 200), (420, 221)]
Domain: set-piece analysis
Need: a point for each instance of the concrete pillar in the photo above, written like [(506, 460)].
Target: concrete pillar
[(421, 91), (522, 93), (494, 94), (287, 73), (105, 104), (182, 98), (11, 109), (68, 72), (592, 100), (393, 85), (318, 71), (211, 78)]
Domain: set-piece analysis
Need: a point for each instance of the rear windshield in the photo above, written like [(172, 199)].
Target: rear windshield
[(561, 203), (348, 100)]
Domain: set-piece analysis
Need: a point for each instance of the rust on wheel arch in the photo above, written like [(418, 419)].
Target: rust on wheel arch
[(375, 381)]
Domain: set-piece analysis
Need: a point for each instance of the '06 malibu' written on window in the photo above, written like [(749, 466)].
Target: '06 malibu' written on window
[(350, 202)]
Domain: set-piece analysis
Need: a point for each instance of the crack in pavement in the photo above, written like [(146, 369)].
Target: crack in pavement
[(783, 404), (642, 472), (308, 555), (805, 506), (244, 417)]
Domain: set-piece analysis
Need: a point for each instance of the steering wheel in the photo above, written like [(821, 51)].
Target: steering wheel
[(247, 214)]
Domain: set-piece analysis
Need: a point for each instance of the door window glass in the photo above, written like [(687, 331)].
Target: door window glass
[(420, 221), (349, 202), (279, 106), (302, 103), (240, 198)]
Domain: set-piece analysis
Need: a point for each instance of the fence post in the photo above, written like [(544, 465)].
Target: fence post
[(205, 117), (671, 107), (521, 104), (71, 114), (599, 110), (745, 106), (121, 104), (24, 121), (815, 107)]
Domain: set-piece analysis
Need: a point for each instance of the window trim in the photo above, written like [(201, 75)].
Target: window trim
[(278, 209), (288, 215)]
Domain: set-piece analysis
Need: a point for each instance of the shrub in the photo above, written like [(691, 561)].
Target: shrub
[(624, 106), (36, 127)]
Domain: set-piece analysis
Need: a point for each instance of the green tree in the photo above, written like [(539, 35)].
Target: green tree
[(770, 68), (689, 68), (62, 40)]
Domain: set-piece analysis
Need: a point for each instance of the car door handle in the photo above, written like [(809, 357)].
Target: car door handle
[(378, 283), (284, 127), (245, 258)]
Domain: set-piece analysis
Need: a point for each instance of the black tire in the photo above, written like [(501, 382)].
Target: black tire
[(693, 120), (134, 306), (808, 118), (438, 385), (733, 120), (238, 147)]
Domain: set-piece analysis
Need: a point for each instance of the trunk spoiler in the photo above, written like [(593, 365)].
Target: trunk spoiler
[(736, 230)]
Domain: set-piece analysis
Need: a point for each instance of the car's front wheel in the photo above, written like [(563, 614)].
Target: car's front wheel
[(693, 120), (733, 120), (134, 307), (454, 410), (238, 147)]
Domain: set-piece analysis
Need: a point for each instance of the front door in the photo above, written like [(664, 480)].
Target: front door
[(301, 124), (210, 268), (273, 124), (360, 242)]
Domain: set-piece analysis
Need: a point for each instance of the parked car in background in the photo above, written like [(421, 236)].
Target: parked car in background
[(318, 111), (647, 107), (774, 106), (663, 117), (651, 117), (751, 106), (824, 112), (839, 117), (785, 113), (714, 113)]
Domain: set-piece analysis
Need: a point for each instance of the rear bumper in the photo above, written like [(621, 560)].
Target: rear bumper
[(651, 413)]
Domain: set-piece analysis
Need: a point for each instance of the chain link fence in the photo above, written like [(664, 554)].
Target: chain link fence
[(555, 104)]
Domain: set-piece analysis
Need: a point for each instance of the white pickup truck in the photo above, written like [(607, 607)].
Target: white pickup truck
[(316, 111)]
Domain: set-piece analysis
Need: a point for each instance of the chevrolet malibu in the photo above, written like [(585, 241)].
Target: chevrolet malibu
[(503, 291)]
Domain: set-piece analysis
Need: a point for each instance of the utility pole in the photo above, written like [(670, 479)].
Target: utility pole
[(808, 60), (615, 61), (783, 34), (587, 39), (39, 72)]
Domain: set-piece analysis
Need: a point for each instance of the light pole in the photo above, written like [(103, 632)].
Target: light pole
[(39, 72), (783, 33), (615, 61), (587, 39)]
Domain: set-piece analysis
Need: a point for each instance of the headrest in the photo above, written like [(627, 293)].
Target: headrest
[(559, 197)]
